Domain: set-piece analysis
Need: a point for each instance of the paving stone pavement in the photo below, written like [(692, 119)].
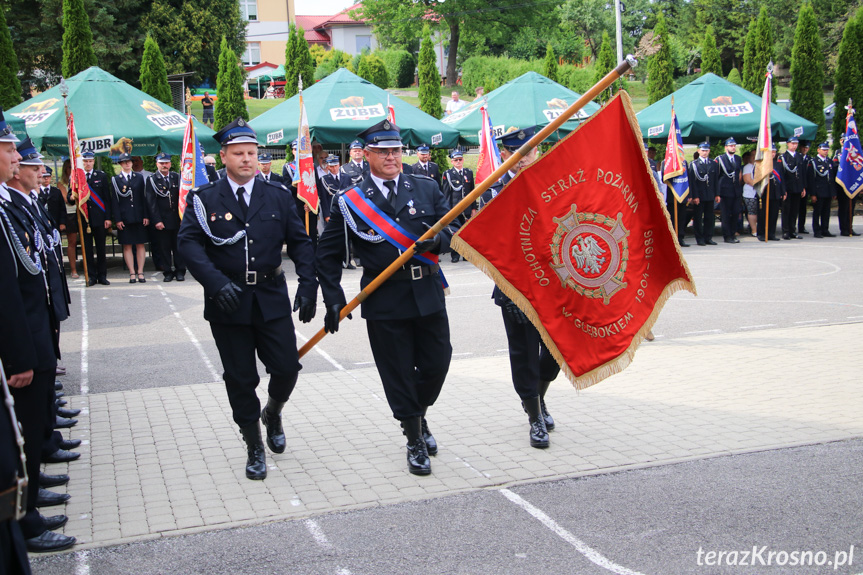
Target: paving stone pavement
[(167, 461)]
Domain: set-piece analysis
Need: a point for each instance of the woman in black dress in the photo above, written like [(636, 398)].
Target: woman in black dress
[(130, 211)]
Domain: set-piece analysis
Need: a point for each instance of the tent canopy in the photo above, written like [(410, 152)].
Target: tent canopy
[(341, 106), (111, 117), (529, 100), (713, 107)]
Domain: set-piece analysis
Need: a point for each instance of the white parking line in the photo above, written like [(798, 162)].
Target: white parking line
[(82, 562), (703, 332), (321, 539), (322, 353), (580, 546), (757, 326), (855, 317), (85, 346), (191, 335), (812, 321)]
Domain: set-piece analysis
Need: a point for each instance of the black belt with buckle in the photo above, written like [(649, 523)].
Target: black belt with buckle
[(12, 501), (253, 278), (409, 272)]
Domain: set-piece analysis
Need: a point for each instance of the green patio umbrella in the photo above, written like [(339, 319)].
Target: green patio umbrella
[(111, 117), (716, 108), (341, 106), (529, 100)]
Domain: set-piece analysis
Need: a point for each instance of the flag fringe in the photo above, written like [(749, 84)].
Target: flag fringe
[(618, 364)]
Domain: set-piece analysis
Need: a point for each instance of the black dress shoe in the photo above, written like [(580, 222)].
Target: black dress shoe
[(845, 235), (49, 498), (104, 281), (60, 402), (538, 430), (732, 241), (350, 267), (773, 239), (64, 423), (271, 417), (58, 394), (58, 386), (683, 244), (711, 243), (62, 412), (760, 239), (68, 444), (256, 462), (828, 235), (61, 456), (180, 276), (786, 237), (54, 522), (46, 480), (417, 451), (819, 236), (455, 258), (48, 542), (796, 237), (431, 442), (803, 232), (853, 233), (91, 282), (168, 278), (701, 243)]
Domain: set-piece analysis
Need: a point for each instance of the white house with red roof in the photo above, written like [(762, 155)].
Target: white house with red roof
[(340, 32)]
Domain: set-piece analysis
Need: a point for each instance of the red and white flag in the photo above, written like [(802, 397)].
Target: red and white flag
[(764, 149), (193, 171), (304, 177), (580, 241), (489, 154), (391, 112), (78, 179)]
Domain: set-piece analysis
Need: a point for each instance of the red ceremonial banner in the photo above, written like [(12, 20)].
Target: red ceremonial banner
[(582, 243)]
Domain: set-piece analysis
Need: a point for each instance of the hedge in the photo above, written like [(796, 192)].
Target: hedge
[(492, 72), (400, 65)]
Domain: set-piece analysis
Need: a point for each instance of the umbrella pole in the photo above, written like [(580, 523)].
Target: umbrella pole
[(469, 199)]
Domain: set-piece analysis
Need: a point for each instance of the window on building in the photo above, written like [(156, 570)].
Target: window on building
[(363, 42), (249, 9), (252, 55)]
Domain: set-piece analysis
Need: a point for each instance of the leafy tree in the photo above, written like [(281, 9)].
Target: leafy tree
[(189, 33), (10, 86), (77, 39), (734, 77), (154, 76), (710, 62), (550, 70), (429, 89), (590, 18), (763, 54), (231, 102), (298, 62), (849, 74), (728, 18), (401, 66), (659, 66), (372, 68), (807, 71)]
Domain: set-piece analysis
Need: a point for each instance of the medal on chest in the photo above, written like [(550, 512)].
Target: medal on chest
[(411, 209)]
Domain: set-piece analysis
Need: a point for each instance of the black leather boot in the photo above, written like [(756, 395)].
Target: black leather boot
[(271, 417), (549, 421), (431, 444), (256, 464), (538, 432), (418, 457)]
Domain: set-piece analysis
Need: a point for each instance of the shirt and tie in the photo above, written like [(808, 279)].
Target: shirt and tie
[(388, 187), (244, 196)]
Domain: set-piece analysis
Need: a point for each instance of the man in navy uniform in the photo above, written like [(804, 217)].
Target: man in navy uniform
[(703, 179), (795, 193), (98, 223), (163, 196), (845, 205), (406, 316), (265, 164), (458, 182), (771, 199), (28, 346), (424, 165), (353, 172), (729, 187), (231, 238), (820, 186)]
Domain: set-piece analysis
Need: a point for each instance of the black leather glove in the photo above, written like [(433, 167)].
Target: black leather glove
[(423, 246), (228, 298), (515, 314), (331, 320), (307, 307)]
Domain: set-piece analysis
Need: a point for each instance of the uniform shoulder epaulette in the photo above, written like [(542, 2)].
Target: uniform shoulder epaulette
[(203, 188), (421, 176)]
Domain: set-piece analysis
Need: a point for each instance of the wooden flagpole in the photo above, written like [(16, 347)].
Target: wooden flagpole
[(622, 68), (64, 93)]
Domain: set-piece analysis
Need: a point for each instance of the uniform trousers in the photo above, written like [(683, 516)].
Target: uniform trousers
[(166, 246), (704, 221), (681, 215), (412, 356), (790, 211), (801, 214), (846, 210), (821, 216), (13, 553), (729, 217), (99, 234), (34, 413), (770, 221), (529, 359), (276, 345)]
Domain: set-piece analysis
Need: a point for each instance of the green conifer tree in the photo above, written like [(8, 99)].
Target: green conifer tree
[(550, 68), (807, 71), (763, 54), (298, 62), (603, 65), (429, 89), (659, 66), (154, 75), (10, 86), (710, 61), (230, 101), (749, 57), (78, 52), (734, 77), (849, 74), (373, 69)]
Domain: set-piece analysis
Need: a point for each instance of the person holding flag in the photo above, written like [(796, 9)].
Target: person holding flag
[(96, 197), (771, 194), (674, 174), (849, 174), (406, 316), (231, 240), (703, 176)]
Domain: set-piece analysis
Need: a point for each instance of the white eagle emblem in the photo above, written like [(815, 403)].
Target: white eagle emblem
[(587, 253), (309, 180)]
